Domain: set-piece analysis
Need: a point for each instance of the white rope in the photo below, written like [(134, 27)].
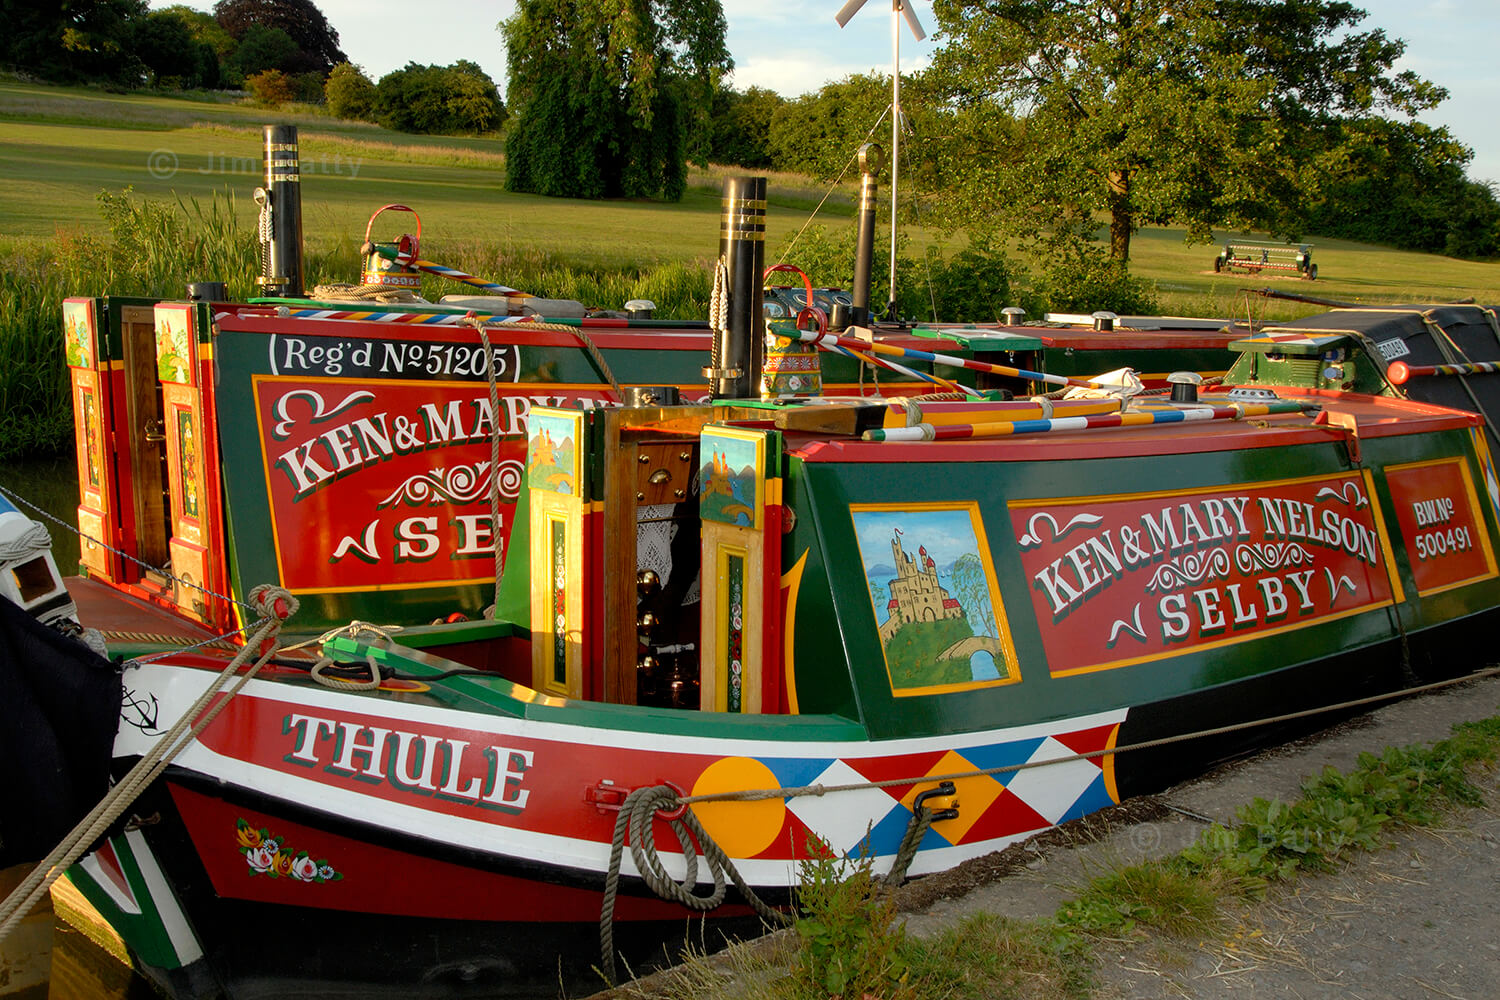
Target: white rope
[(718, 302), (31, 541), (275, 606)]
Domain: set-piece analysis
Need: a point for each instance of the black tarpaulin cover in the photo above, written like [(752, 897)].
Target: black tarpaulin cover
[(59, 709)]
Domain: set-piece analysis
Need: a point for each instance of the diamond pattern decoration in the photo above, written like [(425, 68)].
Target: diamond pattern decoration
[(974, 798), (1052, 791), (842, 818), (1000, 807)]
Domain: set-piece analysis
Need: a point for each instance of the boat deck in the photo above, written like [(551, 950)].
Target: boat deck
[(127, 618)]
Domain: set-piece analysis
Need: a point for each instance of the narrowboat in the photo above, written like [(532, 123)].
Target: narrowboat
[(554, 589)]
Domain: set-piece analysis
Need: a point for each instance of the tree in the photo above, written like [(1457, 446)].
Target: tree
[(162, 41), (316, 41), (1199, 113), (264, 48), (609, 99), (70, 42), (971, 587), (349, 93), (271, 89), (439, 100), (215, 46), (1403, 184), (817, 133), (741, 126)]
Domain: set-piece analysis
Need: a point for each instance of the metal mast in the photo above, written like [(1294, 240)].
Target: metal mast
[(899, 9)]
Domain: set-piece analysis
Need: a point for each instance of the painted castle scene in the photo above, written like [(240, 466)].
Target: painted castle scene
[(551, 456), (933, 590), (729, 481)]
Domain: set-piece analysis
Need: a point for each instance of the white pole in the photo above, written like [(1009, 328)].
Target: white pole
[(895, 141)]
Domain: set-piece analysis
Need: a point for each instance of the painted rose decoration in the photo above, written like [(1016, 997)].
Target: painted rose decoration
[(265, 854)]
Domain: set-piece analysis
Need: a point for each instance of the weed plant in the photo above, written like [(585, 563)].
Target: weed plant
[(850, 943), (1339, 814)]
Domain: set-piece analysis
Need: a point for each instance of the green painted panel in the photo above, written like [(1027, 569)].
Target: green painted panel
[(835, 595)]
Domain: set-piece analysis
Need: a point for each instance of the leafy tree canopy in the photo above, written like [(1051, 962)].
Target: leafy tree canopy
[(263, 48), (162, 41), (71, 41), (1199, 113), (611, 98), (439, 100), (317, 42), (817, 133), (741, 126), (349, 93)]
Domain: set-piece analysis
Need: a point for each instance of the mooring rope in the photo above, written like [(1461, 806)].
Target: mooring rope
[(180, 644), (274, 605), (643, 803), (636, 816), (494, 490)]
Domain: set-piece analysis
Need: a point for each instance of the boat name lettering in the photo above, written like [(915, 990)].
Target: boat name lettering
[(1117, 580), (379, 437), (335, 356), (1185, 530), (489, 777), (417, 540)]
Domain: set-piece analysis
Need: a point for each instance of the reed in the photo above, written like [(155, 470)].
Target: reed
[(154, 248)]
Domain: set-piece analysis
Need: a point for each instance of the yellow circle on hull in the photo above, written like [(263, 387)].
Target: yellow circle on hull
[(742, 829)]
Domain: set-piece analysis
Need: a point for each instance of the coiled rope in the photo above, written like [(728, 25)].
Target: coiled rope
[(274, 605), (637, 814), (263, 233), (642, 804), (364, 293)]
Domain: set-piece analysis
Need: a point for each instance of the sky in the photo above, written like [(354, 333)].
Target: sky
[(794, 46)]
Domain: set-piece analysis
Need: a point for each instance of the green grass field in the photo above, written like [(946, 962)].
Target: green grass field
[(60, 146)]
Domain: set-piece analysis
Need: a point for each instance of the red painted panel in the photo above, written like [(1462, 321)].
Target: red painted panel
[(372, 878), (1120, 581), (394, 486), (1446, 541)]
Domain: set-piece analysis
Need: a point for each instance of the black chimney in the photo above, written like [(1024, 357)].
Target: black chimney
[(281, 261), (871, 159), (740, 347)]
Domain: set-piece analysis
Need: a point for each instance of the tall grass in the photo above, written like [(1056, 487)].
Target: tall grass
[(154, 248), (36, 416)]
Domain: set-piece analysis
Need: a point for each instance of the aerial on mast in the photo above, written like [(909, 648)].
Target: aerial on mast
[(899, 9)]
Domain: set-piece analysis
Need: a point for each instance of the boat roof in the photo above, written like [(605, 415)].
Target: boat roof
[(1339, 414)]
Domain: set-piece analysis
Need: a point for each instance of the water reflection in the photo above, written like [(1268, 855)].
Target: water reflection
[(47, 957), (51, 484)]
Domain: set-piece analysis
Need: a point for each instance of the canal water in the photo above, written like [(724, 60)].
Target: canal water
[(51, 484), (46, 956)]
